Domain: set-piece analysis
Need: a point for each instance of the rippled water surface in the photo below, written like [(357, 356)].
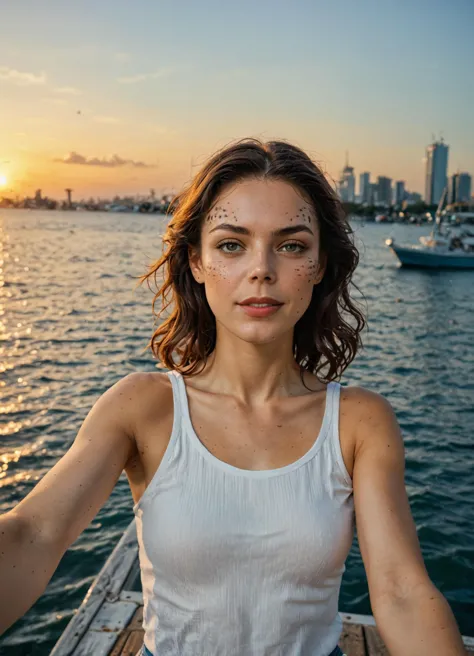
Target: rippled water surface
[(73, 322)]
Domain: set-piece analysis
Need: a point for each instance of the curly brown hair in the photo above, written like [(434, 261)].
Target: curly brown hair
[(323, 336)]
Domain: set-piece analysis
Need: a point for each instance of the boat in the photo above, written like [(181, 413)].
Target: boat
[(109, 620), (449, 246)]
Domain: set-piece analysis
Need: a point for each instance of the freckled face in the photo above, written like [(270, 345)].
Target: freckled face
[(244, 253)]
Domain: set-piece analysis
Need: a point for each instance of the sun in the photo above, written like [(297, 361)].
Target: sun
[(3, 180)]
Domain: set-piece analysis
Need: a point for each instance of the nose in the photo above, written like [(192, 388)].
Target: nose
[(262, 268)]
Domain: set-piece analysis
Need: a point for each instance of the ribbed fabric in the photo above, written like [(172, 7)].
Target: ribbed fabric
[(244, 563)]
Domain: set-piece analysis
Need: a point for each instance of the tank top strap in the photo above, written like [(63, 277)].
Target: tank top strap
[(180, 403), (333, 401), (334, 407), (181, 418)]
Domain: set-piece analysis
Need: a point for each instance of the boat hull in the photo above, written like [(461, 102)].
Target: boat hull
[(418, 258)]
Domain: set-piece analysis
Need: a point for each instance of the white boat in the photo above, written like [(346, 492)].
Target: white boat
[(449, 246)]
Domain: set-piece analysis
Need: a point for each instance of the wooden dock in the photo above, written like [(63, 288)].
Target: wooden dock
[(109, 620)]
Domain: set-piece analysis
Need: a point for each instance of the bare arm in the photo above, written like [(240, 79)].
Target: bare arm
[(412, 615), (37, 532)]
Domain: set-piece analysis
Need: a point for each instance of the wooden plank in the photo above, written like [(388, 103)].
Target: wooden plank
[(120, 644), (97, 643), (129, 595), (354, 618), (106, 586), (374, 643), (134, 644), (137, 620), (113, 616), (352, 641), (133, 580), (134, 626)]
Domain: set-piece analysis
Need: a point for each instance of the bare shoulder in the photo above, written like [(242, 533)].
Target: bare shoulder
[(144, 392), (370, 416), (367, 422), (136, 401), (363, 401), (156, 394)]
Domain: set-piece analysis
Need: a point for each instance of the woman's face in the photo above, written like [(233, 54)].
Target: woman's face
[(260, 239)]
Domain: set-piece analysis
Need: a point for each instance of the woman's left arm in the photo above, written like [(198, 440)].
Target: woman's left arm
[(412, 616)]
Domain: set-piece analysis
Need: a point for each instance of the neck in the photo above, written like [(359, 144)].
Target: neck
[(252, 373)]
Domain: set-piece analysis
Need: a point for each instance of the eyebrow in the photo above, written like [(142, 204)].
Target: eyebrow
[(240, 230)]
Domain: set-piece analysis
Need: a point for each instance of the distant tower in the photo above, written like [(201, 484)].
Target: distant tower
[(463, 188), (436, 177), (384, 190), (347, 183), (453, 183), (399, 192), (69, 192), (364, 187)]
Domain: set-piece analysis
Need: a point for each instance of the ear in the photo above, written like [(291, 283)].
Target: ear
[(323, 260), (195, 264)]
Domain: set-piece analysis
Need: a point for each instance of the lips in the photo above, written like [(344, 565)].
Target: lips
[(263, 300)]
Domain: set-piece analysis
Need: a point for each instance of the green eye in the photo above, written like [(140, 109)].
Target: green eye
[(301, 247), (228, 243), (295, 247)]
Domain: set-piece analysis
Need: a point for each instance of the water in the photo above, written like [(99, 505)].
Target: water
[(74, 322)]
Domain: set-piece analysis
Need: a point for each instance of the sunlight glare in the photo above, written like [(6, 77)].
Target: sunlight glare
[(3, 180)]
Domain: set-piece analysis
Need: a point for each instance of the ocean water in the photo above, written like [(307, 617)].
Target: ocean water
[(73, 321)]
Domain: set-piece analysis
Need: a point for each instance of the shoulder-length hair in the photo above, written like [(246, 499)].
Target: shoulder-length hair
[(327, 335)]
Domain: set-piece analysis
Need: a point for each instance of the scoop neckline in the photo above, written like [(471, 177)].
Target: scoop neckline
[(256, 473)]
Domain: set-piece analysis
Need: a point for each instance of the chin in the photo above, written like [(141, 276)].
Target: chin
[(260, 334)]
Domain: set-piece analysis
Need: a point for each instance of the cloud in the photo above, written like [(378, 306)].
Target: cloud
[(110, 120), (21, 78), (70, 91), (141, 77), (108, 162)]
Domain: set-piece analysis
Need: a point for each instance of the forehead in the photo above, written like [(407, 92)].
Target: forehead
[(262, 203)]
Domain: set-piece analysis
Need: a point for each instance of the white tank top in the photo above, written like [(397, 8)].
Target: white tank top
[(238, 562)]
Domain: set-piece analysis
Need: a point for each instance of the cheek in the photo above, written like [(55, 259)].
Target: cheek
[(302, 284), (305, 273), (216, 271), (311, 270)]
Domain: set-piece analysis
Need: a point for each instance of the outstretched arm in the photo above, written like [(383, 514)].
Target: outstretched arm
[(412, 616), (36, 533)]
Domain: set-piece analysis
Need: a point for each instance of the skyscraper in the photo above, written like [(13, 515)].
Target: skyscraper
[(463, 188), (347, 183), (399, 192), (459, 188), (373, 193), (436, 171), (364, 187), (384, 190), (453, 180)]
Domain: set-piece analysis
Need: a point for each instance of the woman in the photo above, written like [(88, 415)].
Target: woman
[(247, 461)]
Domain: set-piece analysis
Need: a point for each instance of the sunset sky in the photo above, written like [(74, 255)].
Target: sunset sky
[(115, 96)]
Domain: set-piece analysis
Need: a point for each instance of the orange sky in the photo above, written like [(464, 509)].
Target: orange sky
[(168, 89)]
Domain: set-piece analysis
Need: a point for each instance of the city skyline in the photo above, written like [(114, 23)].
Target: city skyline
[(382, 192), (113, 99)]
